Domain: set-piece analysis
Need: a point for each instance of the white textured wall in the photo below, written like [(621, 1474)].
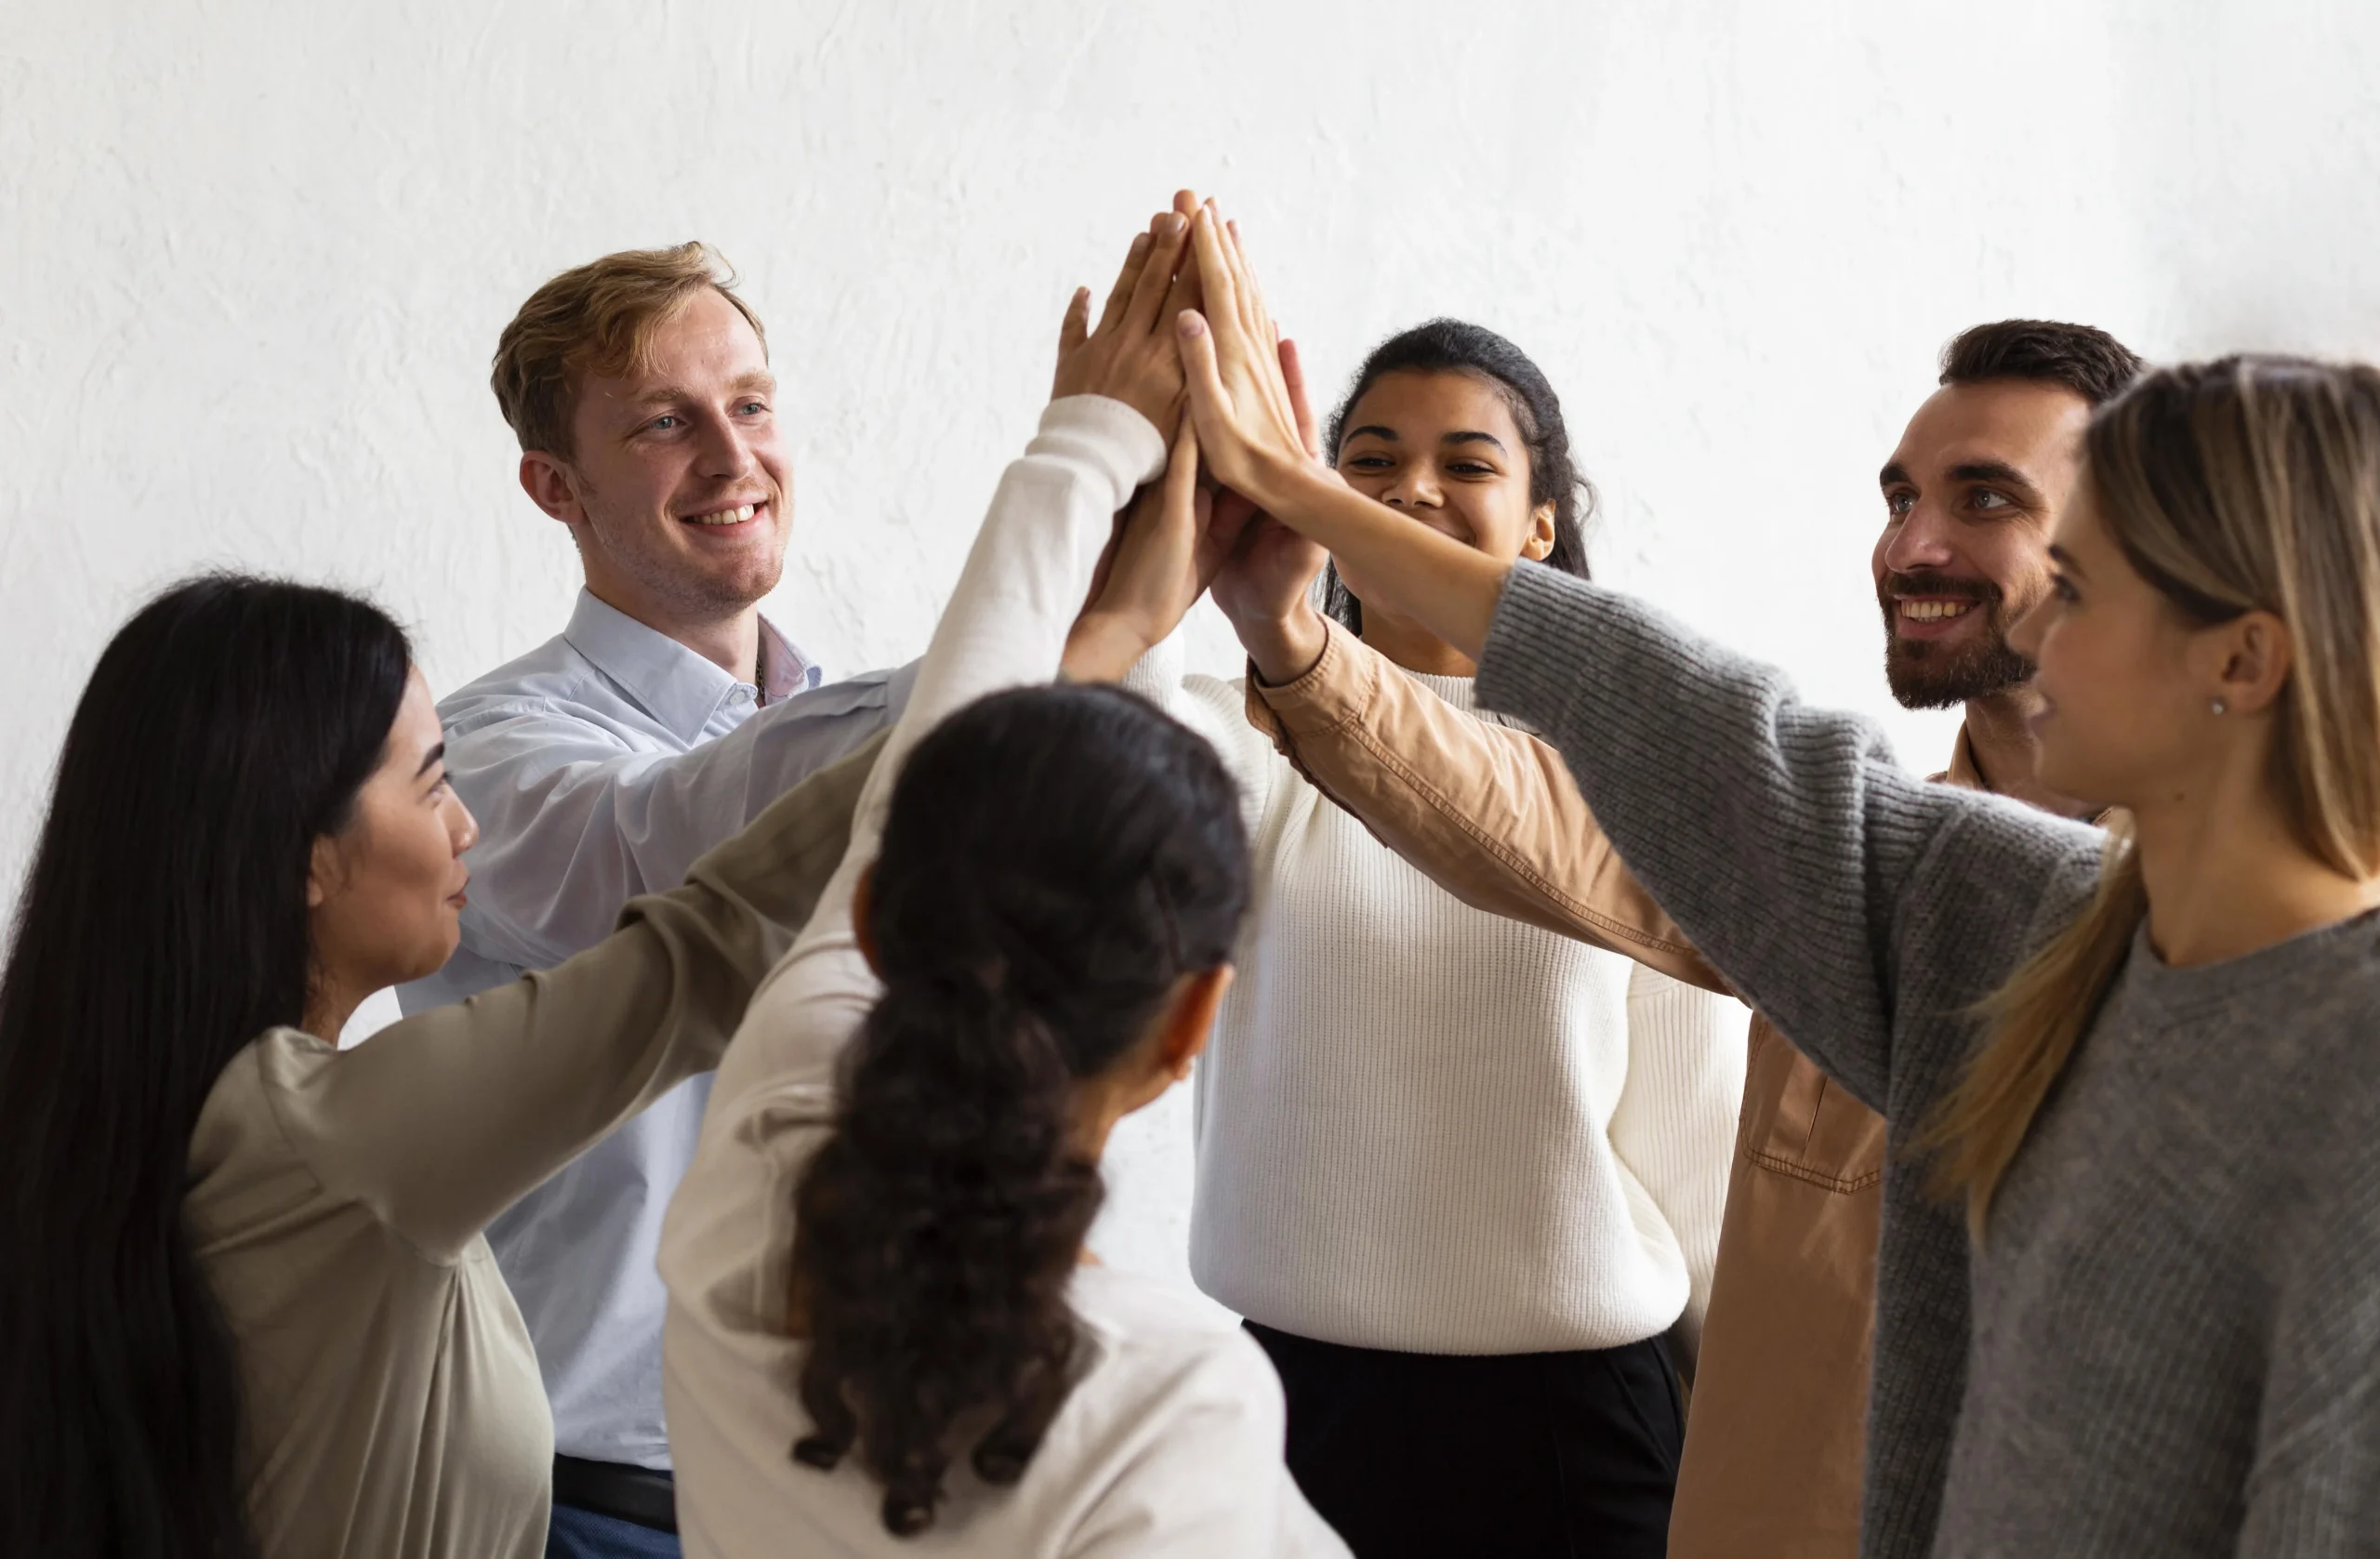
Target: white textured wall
[(254, 258)]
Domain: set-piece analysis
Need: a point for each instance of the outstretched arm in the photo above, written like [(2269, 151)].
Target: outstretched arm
[(1787, 841)]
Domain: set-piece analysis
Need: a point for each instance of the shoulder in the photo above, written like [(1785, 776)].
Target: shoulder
[(1999, 863), (257, 1114), (1178, 1354), (535, 676)]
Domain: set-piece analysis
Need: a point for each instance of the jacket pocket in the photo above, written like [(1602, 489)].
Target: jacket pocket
[(1798, 1122)]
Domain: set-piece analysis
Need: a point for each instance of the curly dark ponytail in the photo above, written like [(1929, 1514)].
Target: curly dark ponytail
[(1055, 859), (1444, 346)]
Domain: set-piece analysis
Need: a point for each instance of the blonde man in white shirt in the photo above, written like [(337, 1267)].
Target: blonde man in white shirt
[(661, 720)]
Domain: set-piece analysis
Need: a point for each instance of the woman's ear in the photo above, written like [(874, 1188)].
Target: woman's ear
[(864, 894), (324, 871), (2257, 658), (1538, 544), (1191, 1020)]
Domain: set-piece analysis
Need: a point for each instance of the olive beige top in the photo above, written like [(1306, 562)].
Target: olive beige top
[(337, 1199), (1169, 1443), (2168, 1341)]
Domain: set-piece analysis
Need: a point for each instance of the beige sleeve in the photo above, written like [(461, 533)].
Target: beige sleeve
[(1487, 812), (441, 1121)]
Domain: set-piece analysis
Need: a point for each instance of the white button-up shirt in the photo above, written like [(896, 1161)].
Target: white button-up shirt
[(600, 766)]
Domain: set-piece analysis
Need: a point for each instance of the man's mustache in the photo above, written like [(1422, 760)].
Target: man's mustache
[(1940, 584)]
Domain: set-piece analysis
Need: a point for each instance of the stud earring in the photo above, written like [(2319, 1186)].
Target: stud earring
[(2217, 705)]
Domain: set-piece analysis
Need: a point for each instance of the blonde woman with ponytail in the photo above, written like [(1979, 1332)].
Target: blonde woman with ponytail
[(2147, 1318)]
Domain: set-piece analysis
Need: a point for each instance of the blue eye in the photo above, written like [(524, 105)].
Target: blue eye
[(1986, 499), (662, 424)]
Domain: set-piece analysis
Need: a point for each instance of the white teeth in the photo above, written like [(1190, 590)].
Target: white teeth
[(1933, 611), (727, 515)]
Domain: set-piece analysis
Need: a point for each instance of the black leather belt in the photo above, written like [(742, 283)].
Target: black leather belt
[(632, 1494)]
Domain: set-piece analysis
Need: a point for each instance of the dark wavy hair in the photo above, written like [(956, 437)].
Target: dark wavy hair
[(1055, 859), (1445, 346), (162, 928)]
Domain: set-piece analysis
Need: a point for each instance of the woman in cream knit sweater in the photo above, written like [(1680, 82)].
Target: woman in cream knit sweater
[(1462, 1176)]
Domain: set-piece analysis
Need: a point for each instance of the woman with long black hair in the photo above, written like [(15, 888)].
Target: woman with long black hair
[(246, 1307)]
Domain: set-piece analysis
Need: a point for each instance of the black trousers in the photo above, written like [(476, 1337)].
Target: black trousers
[(1432, 1455)]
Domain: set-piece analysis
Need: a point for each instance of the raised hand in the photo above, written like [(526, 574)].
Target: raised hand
[(1265, 582), (1153, 573), (1130, 355), (1248, 426)]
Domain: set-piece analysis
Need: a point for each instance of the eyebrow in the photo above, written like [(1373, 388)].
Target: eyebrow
[(431, 761), (2065, 559), (1998, 471), (759, 378), (1472, 435), (1466, 435), (1894, 471)]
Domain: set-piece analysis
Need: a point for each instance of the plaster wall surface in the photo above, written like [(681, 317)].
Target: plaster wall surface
[(254, 258)]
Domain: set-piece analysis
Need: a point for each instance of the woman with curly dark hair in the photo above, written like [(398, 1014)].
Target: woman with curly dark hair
[(882, 1323)]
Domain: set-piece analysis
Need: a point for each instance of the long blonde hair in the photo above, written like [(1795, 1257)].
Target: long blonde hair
[(2250, 483)]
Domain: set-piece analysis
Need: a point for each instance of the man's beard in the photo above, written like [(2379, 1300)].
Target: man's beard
[(1928, 675)]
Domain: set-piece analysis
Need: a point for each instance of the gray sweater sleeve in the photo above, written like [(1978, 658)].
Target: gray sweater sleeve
[(1786, 841)]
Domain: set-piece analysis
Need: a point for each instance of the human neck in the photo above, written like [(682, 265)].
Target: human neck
[(730, 640), (2000, 736), (1415, 648), (328, 1006), (2225, 875)]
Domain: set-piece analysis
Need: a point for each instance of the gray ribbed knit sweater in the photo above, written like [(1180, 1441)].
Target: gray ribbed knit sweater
[(2175, 1344)]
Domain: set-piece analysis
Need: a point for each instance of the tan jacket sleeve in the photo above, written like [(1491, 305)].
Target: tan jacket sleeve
[(1487, 812), (441, 1121)]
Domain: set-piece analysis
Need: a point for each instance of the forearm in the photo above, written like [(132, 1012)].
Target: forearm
[(1487, 812), (447, 1117), (1447, 586), (1284, 648), (1781, 838)]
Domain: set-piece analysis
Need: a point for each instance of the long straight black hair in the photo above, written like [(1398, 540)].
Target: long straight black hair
[(162, 928), (1445, 346), (1055, 859)]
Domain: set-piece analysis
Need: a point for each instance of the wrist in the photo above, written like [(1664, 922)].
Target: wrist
[(1285, 647), (1103, 646)]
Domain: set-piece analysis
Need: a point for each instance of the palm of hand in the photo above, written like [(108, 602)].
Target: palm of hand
[(1263, 568)]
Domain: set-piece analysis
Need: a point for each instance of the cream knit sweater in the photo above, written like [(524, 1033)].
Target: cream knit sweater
[(1425, 1127)]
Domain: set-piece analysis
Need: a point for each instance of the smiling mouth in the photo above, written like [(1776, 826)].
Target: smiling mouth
[(735, 515), (1932, 609)]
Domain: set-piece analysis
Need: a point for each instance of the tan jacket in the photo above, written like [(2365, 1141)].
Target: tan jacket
[(1775, 1439), (337, 1199)]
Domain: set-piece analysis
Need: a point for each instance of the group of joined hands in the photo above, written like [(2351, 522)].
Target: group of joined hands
[(1248, 502)]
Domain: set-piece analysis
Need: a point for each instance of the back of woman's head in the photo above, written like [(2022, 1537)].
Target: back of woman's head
[(1446, 345), (2245, 484), (1056, 861), (161, 927)]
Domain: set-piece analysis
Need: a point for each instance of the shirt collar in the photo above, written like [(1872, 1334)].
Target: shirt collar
[(1966, 774), (1963, 772), (676, 686), (785, 670)]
